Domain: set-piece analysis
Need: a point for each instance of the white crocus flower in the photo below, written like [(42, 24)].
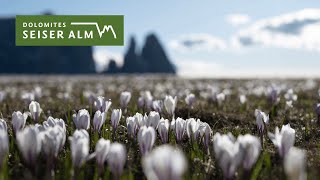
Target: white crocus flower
[(3, 125), (251, 147), (205, 134), (79, 142), (170, 104), (146, 139), (29, 144), (140, 119), (117, 157), (19, 120), (27, 97), (157, 105), (101, 104), (221, 97), (132, 126), (193, 128), (290, 96), (4, 146), (295, 164), (284, 139), (115, 118), (102, 150), (35, 110), (289, 104), (52, 141), (82, 119), (98, 120), (190, 100), (261, 120), (180, 128), (51, 122), (227, 151), (125, 99), (163, 130), (164, 162), (153, 119)]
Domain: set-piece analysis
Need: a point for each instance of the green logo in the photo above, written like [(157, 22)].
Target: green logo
[(73, 30)]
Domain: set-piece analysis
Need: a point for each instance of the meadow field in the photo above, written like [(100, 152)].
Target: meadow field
[(158, 127)]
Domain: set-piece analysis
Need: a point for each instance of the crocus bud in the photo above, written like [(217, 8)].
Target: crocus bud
[(162, 160), (140, 102), (101, 104), (79, 142), (228, 153), (318, 109), (190, 99), (19, 120), (180, 128), (52, 141), (3, 95), (124, 99), (284, 139), (29, 144), (157, 105), (146, 139), (3, 125), (273, 96), (261, 119), (153, 119), (170, 104), (295, 164), (117, 157), (163, 130), (243, 99), (35, 110), (115, 118), (4, 146), (205, 134), (193, 128), (147, 99), (82, 119), (132, 126), (102, 150), (251, 147), (90, 96), (98, 120)]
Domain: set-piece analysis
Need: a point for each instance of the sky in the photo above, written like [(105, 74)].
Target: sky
[(208, 38)]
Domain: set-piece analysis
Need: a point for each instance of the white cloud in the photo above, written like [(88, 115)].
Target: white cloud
[(197, 42), (237, 19), (102, 58), (297, 30)]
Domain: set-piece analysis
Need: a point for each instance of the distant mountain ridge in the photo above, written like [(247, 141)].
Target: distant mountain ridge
[(41, 59), (75, 59), (152, 59)]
